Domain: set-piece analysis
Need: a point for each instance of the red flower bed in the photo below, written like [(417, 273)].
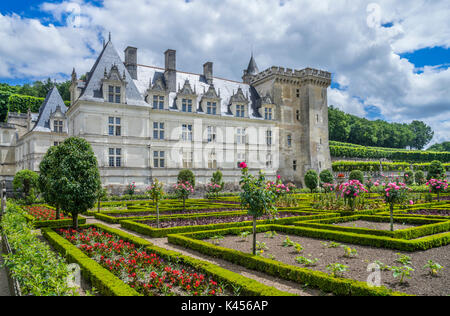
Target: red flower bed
[(145, 272), (42, 213)]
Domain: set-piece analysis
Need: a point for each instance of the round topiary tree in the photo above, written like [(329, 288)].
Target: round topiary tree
[(326, 177), (436, 170), (311, 180), (186, 175), (419, 177), (75, 179), (356, 175), (25, 184), (46, 185)]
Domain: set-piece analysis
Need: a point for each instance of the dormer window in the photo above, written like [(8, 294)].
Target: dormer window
[(186, 105), (240, 110), (114, 94), (268, 114), (158, 102), (58, 126), (211, 108)]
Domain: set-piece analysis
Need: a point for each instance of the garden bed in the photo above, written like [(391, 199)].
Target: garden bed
[(375, 225), (421, 283), (167, 213), (211, 220), (45, 216), (103, 263), (437, 212)]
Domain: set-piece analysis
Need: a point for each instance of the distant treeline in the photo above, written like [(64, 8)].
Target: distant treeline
[(22, 98), (349, 128)]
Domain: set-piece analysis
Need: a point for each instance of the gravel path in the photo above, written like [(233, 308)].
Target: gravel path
[(282, 285), (4, 288)]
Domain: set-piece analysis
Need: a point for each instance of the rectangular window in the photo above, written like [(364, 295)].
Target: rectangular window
[(158, 102), (269, 138), (212, 108), (186, 133), (114, 94), (240, 110), (58, 126), (158, 130), (240, 136), (298, 93), (268, 114), (115, 157), (298, 115), (187, 160), (294, 165), (186, 105), (289, 140), (159, 160), (211, 134), (114, 126)]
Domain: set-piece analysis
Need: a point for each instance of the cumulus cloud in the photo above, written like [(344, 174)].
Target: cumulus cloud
[(344, 37)]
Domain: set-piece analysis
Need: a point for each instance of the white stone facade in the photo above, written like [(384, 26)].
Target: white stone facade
[(148, 122)]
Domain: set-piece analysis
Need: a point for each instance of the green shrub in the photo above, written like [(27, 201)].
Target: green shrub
[(357, 175), (419, 177), (186, 175), (311, 180), (436, 170), (25, 185), (409, 177), (326, 177)]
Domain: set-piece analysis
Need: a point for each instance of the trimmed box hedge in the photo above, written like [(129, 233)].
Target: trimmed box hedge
[(136, 226), (317, 279), (111, 285), (429, 226)]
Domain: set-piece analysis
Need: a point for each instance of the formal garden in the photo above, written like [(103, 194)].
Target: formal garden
[(361, 229)]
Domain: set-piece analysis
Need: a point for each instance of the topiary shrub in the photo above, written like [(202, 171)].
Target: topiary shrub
[(409, 177), (419, 177), (186, 175), (357, 175), (326, 177), (311, 180), (436, 170)]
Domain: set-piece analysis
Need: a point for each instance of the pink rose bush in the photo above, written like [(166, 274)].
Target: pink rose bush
[(395, 193), (351, 190), (328, 187), (437, 186), (183, 190)]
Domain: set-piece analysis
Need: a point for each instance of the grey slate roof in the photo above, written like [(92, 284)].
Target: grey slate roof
[(252, 68), (51, 102), (226, 88), (107, 59)]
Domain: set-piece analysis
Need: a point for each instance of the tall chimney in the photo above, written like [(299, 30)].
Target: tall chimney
[(131, 61), (208, 72), (170, 73)]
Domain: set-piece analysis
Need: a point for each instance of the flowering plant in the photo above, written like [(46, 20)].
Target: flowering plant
[(183, 190), (131, 188), (351, 190), (144, 271), (437, 186), (156, 192), (42, 213), (213, 188), (395, 193), (256, 197), (328, 187)]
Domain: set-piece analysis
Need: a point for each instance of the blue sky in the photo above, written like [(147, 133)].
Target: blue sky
[(389, 59)]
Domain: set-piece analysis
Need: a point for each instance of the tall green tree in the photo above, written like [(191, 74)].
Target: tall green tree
[(423, 134), (25, 184), (75, 178)]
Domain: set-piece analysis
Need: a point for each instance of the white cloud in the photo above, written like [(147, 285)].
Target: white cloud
[(338, 36)]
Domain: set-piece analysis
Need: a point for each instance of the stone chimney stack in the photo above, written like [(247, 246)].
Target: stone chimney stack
[(131, 61), (208, 72), (170, 73)]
